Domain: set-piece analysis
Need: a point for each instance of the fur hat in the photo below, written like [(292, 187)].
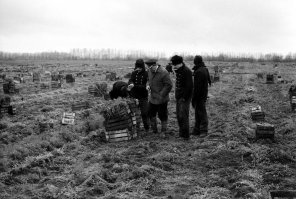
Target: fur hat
[(176, 60)]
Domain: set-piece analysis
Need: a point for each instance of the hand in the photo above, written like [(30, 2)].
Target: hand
[(130, 87), (148, 87)]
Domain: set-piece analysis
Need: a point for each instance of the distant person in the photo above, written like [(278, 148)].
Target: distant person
[(160, 85), (183, 94), (198, 62), (119, 89), (137, 87), (199, 98)]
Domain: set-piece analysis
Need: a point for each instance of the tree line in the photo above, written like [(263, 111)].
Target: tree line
[(114, 54)]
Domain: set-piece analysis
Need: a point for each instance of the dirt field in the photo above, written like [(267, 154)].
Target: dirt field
[(72, 162)]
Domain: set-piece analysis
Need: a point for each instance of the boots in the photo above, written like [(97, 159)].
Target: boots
[(153, 125), (164, 126)]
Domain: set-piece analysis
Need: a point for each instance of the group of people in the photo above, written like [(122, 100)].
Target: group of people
[(191, 86)]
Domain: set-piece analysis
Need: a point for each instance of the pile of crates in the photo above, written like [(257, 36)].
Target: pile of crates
[(9, 87), (122, 120), (265, 130), (269, 79), (6, 107), (70, 78)]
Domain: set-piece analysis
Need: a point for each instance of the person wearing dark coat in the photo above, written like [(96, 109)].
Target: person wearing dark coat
[(160, 85), (137, 86), (199, 98), (183, 94), (119, 89)]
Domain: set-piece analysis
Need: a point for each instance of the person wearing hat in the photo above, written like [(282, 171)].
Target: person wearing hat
[(160, 85), (199, 98), (183, 94), (137, 87)]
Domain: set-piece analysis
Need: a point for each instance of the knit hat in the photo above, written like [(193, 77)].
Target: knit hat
[(197, 60), (176, 60), (139, 63), (150, 62)]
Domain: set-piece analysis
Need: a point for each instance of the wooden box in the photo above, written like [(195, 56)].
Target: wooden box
[(79, 106), (44, 86), (70, 78), (284, 194), (36, 77), (265, 130), (119, 135), (269, 78), (56, 85), (68, 118), (257, 114), (216, 78)]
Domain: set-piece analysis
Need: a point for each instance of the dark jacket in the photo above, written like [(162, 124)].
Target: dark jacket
[(201, 80), (203, 65), (160, 84), (139, 79), (184, 83), (119, 89)]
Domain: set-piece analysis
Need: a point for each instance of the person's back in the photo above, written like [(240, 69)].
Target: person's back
[(119, 89)]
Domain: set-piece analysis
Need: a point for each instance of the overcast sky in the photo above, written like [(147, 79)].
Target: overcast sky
[(196, 26)]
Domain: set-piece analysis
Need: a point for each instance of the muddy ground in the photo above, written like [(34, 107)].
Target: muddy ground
[(73, 162)]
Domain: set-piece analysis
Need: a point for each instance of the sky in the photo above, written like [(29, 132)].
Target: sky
[(170, 26)]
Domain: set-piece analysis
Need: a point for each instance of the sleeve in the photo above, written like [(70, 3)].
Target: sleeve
[(168, 85), (188, 85), (132, 79)]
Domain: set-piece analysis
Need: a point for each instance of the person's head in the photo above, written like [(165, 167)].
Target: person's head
[(198, 60), (152, 64), (139, 65), (177, 62)]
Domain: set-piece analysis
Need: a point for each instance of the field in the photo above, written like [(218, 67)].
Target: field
[(72, 161)]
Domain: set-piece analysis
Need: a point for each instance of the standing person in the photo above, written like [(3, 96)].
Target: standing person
[(160, 85), (183, 94), (199, 98), (137, 87)]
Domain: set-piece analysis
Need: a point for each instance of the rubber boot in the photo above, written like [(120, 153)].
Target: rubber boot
[(153, 125)]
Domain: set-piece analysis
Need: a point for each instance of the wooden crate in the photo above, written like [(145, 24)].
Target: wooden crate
[(265, 130), (36, 77), (119, 135), (269, 78), (70, 78), (216, 78), (68, 118), (56, 85), (118, 123), (285, 194), (44, 86), (79, 106), (257, 114)]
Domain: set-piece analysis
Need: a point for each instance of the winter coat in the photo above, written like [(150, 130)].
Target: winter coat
[(184, 83), (201, 79), (139, 79), (160, 84), (119, 89)]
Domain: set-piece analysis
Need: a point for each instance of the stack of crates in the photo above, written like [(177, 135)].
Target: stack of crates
[(36, 77), (257, 114), (9, 87), (122, 121), (265, 130)]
